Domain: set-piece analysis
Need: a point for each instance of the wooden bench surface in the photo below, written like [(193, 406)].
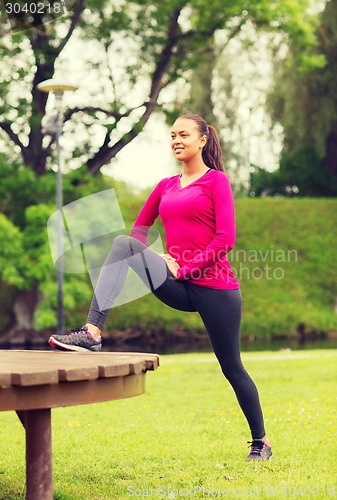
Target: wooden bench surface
[(32, 368), (34, 382)]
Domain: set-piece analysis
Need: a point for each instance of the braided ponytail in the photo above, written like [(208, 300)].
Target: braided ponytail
[(211, 152)]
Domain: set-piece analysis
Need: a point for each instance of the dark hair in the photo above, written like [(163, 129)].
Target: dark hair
[(211, 152)]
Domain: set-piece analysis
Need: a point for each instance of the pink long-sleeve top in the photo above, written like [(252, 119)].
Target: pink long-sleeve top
[(199, 225)]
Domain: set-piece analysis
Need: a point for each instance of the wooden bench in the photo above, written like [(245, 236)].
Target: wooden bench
[(33, 382)]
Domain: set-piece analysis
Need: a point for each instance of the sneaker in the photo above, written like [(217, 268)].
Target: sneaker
[(77, 340), (259, 450)]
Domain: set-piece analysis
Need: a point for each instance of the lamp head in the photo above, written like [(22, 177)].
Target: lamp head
[(56, 86)]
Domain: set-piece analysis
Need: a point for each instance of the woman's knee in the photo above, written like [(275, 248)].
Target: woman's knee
[(119, 250), (122, 240), (122, 244), (232, 371), (127, 242), (125, 247)]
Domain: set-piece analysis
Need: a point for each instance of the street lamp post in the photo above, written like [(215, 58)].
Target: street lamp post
[(58, 89)]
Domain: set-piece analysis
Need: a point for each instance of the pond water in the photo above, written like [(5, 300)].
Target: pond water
[(180, 347), (204, 346)]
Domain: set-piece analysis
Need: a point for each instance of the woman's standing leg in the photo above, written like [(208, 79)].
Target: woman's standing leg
[(220, 311)]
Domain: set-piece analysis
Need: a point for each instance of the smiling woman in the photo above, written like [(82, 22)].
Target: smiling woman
[(191, 135), (197, 210)]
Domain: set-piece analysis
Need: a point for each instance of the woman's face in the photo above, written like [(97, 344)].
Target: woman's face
[(186, 141)]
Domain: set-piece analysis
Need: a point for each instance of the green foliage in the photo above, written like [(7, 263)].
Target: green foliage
[(300, 174), (35, 241), (17, 190), (77, 287), (28, 201), (11, 250), (305, 103)]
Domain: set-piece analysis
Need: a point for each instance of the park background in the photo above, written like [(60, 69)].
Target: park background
[(263, 75)]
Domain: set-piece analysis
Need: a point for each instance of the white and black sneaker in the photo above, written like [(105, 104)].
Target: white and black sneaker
[(259, 450), (79, 339)]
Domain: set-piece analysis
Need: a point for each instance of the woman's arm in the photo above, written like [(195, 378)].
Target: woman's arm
[(148, 214)]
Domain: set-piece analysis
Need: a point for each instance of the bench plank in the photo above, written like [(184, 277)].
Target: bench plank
[(31, 368)]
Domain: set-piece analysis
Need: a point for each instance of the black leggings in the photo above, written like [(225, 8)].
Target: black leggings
[(220, 311)]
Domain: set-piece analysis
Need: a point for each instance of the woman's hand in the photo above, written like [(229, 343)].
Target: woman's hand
[(172, 264)]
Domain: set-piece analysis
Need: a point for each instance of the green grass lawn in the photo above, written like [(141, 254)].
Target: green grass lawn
[(186, 436)]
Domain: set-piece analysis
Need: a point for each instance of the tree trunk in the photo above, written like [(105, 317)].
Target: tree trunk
[(331, 152), (23, 331), (201, 85)]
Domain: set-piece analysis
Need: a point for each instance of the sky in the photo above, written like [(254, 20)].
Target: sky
[(147, 159)]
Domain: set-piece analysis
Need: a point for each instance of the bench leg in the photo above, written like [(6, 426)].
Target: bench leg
[(39, 482)]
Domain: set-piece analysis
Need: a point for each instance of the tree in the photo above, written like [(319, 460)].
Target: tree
[(162, 44), (305, 103), (143, 49), (230, 85)]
